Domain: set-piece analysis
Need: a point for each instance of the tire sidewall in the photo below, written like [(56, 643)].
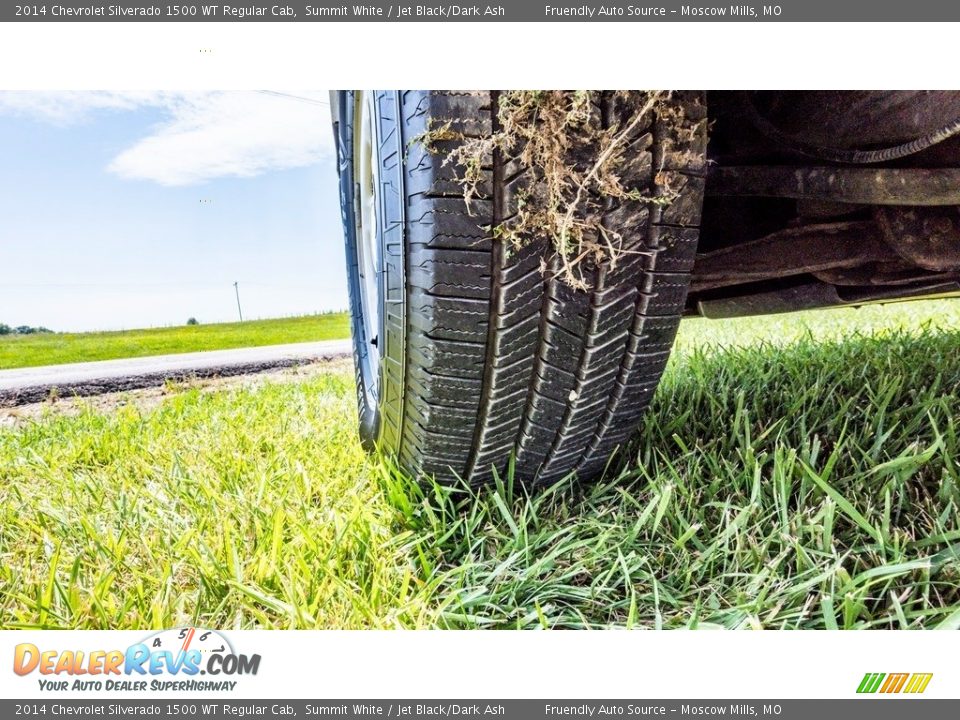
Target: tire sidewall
[(374, 386), (368, 412)]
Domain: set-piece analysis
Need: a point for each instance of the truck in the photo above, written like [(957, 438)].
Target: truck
[(487, 342)]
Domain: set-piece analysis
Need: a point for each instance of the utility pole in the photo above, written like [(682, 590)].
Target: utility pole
[(236, 289)]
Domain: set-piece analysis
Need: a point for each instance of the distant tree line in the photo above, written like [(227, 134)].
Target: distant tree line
[(22, 330)]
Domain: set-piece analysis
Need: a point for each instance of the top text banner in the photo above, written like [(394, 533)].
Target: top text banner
[(508, 11)]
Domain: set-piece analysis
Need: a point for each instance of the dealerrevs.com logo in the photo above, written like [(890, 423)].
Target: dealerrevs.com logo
[(169, 660)]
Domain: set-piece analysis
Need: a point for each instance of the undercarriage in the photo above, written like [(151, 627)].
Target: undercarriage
[(827, 198)]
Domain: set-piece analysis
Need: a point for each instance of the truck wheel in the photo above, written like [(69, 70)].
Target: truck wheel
[(470, 357)]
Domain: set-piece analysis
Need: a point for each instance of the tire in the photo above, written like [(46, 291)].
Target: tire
[(473, 358)]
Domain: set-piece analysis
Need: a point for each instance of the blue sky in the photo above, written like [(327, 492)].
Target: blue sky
[(122, 210)]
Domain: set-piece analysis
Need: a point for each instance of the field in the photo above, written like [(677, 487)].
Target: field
[(799, 471), (17, 351)]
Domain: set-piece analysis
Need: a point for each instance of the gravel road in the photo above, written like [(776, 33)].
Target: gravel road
[(29, 385)]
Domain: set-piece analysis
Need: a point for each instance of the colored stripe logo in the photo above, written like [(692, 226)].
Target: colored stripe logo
[(913, 683)]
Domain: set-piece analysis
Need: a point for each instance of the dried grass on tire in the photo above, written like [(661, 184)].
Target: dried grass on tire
[(573, 166)]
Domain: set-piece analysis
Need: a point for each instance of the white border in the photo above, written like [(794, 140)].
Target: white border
[(561, 665), (119, 55)]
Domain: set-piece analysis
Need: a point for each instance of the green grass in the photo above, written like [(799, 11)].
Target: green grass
[(17, 351), (801, 476)]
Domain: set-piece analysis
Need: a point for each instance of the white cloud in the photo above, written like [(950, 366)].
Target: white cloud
[(71, 107), (230, 134), (203, 136)]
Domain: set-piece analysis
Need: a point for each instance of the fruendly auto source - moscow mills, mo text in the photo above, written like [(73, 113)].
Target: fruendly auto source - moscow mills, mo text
[(691, 11)]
